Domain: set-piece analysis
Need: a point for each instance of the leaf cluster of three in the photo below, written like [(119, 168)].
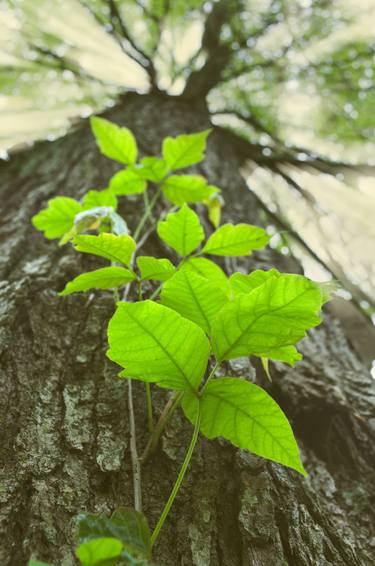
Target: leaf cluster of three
[(202, 317)]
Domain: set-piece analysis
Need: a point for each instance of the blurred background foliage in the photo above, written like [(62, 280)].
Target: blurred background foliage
[(293, 78)]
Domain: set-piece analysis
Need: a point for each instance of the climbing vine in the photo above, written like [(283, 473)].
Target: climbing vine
[(176, 322)]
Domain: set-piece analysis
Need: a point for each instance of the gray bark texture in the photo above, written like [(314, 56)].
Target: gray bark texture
[(65, 429)]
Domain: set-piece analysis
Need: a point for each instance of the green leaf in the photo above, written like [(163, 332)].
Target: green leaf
[(127, 182), (269, 320), (99, 552), (105, 278), (38, 563), (114, 142), (57, 218), (155, 344), (241, 283), (181, 230), (185, 150), (180, 189), (126, 525), (152, 169), (247, 416), (93, 199), (155, 269), (236, 240), (207, 269), (115, 248), (214, 205), (194, 297)]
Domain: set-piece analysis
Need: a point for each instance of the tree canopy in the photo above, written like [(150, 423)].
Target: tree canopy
[(292, 79)]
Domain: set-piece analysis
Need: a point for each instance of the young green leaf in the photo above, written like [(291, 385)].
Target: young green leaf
[(247, 416), (114, 142), (152, 169), (184, 150), (155, 344), (241, 283), (57, 218), (180, 189), (105, 278), (194, 297), (127, 182), (93, 199), (181, 230), (207, 269), (126, 525), (115, 248), (214, 205), (236, 240), (155, 269), (99, 552), (269, 320)]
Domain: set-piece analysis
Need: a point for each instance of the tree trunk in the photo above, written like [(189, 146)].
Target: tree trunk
[(65, 427)]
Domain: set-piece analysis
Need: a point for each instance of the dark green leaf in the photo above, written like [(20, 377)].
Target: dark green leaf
[(126, 525)]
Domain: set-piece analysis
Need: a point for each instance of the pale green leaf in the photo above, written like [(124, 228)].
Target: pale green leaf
[(269, 320), (115, 248), (194, 297), (38, 563), (114, 142), (155, 269), (184, 150), (236, 240), (214, 205), (57, 218), (155, 344), (180, 189), (181, 230), (248, 417), (207, 269), (93, 199), (99, 551), (241, 283), (152, 169), (105, 278), (127, 182)]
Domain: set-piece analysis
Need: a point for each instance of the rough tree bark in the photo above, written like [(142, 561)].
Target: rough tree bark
[(64, 444)]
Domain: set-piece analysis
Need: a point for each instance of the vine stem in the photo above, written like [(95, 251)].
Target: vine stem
[(148, 210), (150, 419), (136, 464), (168, 411), (180, 478)]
